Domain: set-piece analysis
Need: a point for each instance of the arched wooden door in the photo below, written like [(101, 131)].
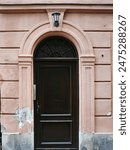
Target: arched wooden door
[(56, 108)]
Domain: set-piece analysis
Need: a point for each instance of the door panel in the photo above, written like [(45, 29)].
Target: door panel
[(50, 130), (55, 89)]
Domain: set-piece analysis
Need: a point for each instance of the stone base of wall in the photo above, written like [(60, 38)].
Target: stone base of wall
[(17, 141), (90, 141), (87, 141)]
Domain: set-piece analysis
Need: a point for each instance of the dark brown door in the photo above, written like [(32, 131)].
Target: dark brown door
[(56, 104)]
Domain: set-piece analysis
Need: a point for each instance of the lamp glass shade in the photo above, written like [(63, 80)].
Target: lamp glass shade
[(56, 18)]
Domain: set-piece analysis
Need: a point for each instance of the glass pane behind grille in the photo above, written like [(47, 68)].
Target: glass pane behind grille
[(55, 47)]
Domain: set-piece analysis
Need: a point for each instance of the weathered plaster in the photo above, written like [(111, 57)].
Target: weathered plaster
[(24, 115), (17, 141), (92, 141), (88, 141), (89, 34)]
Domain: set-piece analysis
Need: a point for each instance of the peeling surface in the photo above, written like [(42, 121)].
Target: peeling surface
[(24, 115)]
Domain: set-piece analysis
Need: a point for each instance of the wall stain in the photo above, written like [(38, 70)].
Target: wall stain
[(24, 115)]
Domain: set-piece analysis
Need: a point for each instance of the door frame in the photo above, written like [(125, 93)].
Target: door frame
[(86, 71)]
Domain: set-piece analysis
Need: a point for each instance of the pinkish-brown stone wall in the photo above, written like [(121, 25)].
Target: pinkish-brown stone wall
[(16, 22), (98, 28)]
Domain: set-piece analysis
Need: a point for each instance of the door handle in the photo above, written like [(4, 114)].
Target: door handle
[(34, 92)]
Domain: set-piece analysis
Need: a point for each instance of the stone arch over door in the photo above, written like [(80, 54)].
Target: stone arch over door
[(86, 70)]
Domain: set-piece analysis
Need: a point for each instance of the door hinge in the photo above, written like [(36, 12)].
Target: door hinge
[(34, 92)]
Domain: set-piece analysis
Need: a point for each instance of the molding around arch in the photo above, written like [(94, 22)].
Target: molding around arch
[(68, 30), (86, 69)]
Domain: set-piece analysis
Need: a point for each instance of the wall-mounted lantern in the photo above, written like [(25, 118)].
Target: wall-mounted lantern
[(56, 18)]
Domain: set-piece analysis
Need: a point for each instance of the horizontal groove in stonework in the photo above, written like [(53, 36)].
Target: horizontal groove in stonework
[(9, 47), (102, 81), (98, 30), (102, 116), (110, 117), (9, 80), (96, 47), (59, 3), (103, 64), (9, 97), (8, 63), (109, 99), (14, 30), (106, 99), (103, 48), (9, 114), (106, 81)]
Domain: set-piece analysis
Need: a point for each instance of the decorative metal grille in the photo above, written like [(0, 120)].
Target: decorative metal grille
[(55, 47)]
